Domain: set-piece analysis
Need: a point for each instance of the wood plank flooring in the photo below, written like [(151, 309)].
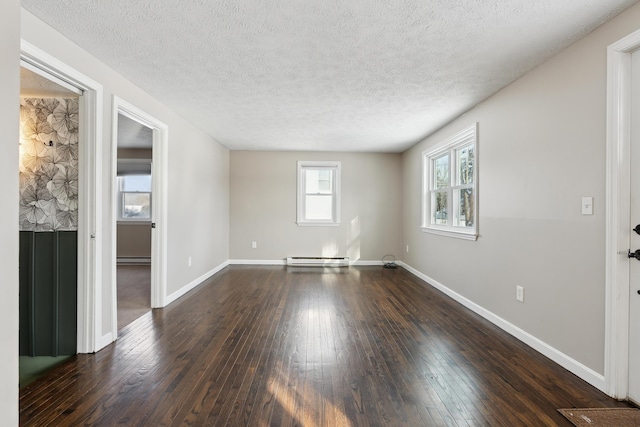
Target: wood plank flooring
[(260, 346), (134, 292)]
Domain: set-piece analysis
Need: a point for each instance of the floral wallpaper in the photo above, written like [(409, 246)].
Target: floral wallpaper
[(48, 164)]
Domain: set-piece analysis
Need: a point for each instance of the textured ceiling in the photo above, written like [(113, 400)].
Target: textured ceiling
[(357, 75), (33, 85)]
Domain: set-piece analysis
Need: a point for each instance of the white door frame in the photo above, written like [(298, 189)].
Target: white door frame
[(616, 360), (158, 203), (89, 315)]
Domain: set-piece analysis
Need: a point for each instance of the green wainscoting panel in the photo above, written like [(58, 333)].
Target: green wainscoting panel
[(48, 293), (67, 291)]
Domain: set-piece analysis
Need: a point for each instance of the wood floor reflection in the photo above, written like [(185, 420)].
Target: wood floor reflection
[(134, 292), (258, 346)]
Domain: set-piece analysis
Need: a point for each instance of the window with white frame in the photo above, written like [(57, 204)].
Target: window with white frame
[(450, 186), (318, 193), (134, 198)]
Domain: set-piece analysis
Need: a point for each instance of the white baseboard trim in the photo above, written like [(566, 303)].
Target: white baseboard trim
[(589, 375), (193, 284)]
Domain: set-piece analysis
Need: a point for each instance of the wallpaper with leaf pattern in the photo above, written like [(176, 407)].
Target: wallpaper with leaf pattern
[(48, 174)]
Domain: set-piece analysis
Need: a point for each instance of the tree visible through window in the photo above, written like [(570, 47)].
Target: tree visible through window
[(450, 195)]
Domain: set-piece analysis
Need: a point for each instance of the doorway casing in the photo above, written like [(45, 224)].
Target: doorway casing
[(90, 242), (618, 193), (158, 203)]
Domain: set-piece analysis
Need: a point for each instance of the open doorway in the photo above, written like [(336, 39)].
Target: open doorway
[(134, 219), (139, 147), (49, 211)]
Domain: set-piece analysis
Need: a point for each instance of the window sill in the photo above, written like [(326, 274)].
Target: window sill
[(318, 224), (451, 233)]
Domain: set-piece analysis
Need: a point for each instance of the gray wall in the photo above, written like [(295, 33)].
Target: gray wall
[(541, 148), (9, 101), (134, 240), (263, 207), (198, 172)]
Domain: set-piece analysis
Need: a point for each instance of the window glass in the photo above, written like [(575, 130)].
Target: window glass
[(450, 187), (318, 193), (135, 183), (465, 165), (135, 197), (136, 205), (441, 171), (319, 207)]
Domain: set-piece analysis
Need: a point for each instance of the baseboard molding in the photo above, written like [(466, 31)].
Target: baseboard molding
[(589, 375), (193, 284)]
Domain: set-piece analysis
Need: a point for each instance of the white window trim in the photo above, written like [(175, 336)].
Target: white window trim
[(462, 138), (303, 164), (122, 219)]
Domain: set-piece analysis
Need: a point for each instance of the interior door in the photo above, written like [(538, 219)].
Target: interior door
[(634, 240)]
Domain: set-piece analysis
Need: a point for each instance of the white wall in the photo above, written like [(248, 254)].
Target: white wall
[(198, 193), (541, 148), (263, 207), (9, 102)]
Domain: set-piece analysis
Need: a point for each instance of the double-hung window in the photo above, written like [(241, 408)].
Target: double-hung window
[(450, 186), (318, 193), (135, 198)]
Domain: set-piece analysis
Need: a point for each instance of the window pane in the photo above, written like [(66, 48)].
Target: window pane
[(136, 205), (466, 208), (318, 208), (318, 181), (439, 203), (465, 165), (136, 183), (441, 172)]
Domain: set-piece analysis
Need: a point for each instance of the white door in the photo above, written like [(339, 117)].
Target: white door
[(634, 240)]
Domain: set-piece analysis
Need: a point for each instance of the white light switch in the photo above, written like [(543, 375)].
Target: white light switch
[(587, 206)]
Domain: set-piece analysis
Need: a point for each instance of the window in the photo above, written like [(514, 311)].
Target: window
[(450, 170), (318, 193), (135, 198)]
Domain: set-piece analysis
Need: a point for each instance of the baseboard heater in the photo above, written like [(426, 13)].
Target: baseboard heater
[(303, 261), (134, 260)]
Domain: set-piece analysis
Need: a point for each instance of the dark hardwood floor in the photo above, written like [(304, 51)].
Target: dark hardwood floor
[(258, 346), (134, 292)]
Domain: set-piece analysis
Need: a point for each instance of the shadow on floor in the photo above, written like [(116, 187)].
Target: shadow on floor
[(33, 367)]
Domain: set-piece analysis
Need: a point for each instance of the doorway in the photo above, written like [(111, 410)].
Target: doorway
[(48, 223), (634, 239), (139, 212), (621, 282), (134, 185)]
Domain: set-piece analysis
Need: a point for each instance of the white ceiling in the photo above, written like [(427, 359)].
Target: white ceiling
[(33, 85), (356, 75)]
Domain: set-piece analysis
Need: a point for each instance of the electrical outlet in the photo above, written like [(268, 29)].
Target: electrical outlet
[(189, 261), (254, 245), (520, 293), (407, 248)]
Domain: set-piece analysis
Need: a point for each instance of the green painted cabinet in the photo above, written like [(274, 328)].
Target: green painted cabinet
[(48, 293)]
